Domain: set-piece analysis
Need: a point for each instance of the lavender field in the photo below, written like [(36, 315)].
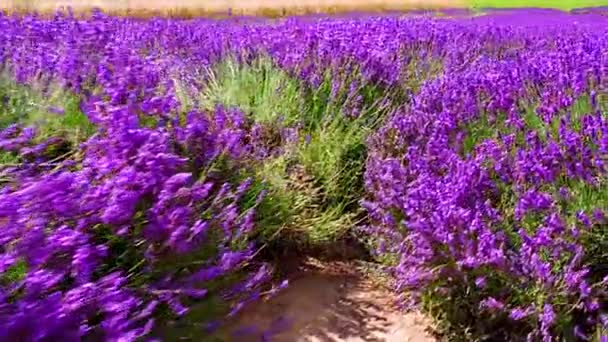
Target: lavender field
[(155, 173)]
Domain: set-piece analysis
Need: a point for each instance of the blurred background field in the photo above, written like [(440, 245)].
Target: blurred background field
[(297, 178), (254, 7), (561, 4), (285, 7)]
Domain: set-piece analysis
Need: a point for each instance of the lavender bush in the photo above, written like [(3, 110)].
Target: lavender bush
[(477, 147), (490, 189)]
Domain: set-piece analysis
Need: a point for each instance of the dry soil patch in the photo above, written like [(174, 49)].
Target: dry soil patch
[(328, 303)]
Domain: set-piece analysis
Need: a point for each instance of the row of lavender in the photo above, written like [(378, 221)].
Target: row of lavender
[(487, 184), (131, 227), (492, 187)]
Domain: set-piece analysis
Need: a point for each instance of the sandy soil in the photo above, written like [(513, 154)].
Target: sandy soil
[(244, 6), (331, 303)]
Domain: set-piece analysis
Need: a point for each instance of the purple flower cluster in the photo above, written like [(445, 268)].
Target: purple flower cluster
[(468, 185), (488, 185), (151, 215), (137, 209)]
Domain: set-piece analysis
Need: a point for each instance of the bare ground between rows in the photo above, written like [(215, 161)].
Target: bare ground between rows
[(329, 301)]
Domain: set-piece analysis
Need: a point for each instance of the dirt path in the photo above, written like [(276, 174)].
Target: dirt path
[(327, 303)]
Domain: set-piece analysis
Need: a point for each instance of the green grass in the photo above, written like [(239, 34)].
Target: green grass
[(8, 158), (15, 101), (73, 125), (558, 4), (259, 89), (26, 106), (54, 114), (315, 185)]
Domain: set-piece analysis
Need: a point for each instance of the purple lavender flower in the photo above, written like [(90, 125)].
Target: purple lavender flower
[(492, 304), (446, 216)]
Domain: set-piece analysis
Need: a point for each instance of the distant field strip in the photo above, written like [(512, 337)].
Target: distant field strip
[(561, 4), (238, 7), (278, 7)]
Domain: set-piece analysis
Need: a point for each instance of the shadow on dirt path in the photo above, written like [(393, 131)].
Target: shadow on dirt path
[(327, 302)]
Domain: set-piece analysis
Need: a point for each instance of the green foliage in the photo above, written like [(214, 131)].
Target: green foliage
[(585, 197), (7, 158), (482, 129), (54, 113), (561, 4), (72, 125), (192, 326), (14, 273), (258, 89), (456, 312), (314, 186), (13, 104)]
